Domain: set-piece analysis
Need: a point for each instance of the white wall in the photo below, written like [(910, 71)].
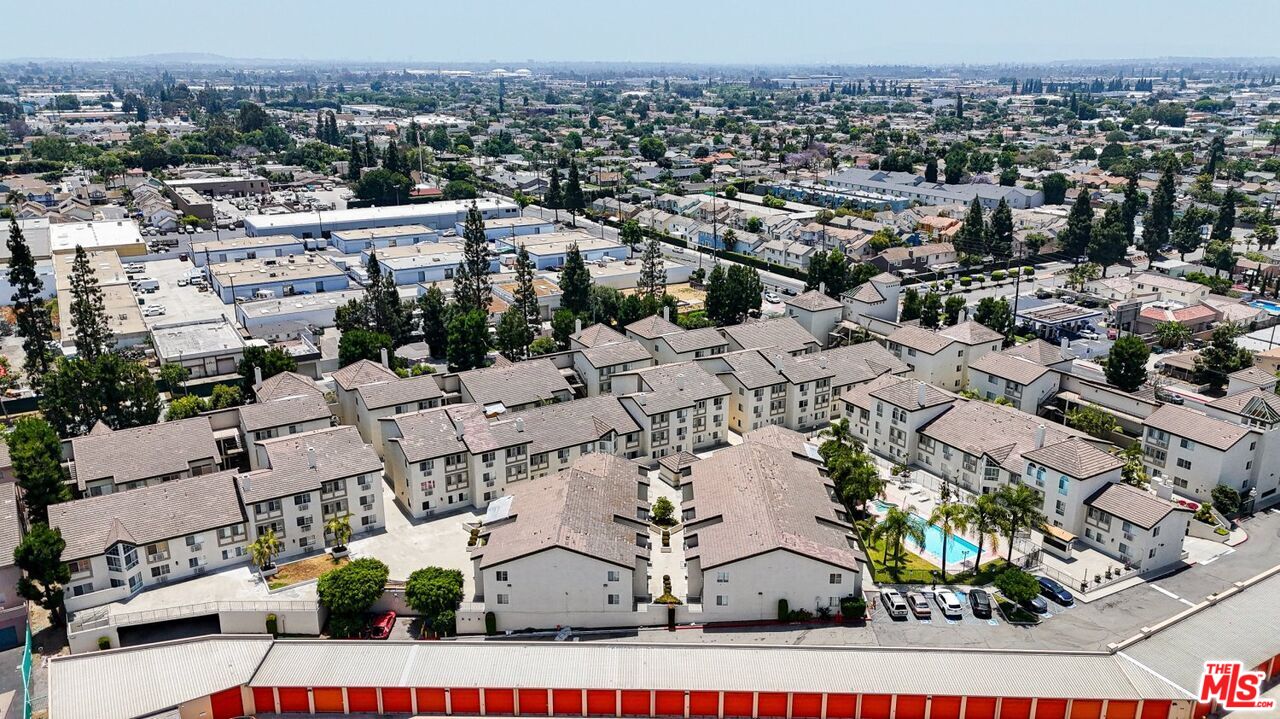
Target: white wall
[(756, 584)]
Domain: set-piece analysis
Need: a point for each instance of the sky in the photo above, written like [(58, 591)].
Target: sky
[(509, 32)]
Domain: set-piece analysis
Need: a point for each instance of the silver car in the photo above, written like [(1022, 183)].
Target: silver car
[(948, 604), (894, 604)]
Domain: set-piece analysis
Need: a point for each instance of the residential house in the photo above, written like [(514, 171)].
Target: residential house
[(783, 333), (376, 400), (106, 460), (679, 407)]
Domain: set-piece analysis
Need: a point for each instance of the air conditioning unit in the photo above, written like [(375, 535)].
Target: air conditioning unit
[(303, 507), (196, 548)]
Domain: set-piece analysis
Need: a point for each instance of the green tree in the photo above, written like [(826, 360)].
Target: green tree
[(526, 294), (225, 396), (383, 186), (1222, 357), (983, 517), (349, 591), (32, 320), (88, 311), (433, 591), (652, 148), (563, 323), (855, 476), (79, 393), (468, 342), (1159, 218), (1092, 420), (631, 236), (264, 550), (1134, 472), (1126, 366), (357, 344), (1134, 203), (950, 518), (910, 305), (575, 281), (732, 293), (175, 377), (1107, 244), (513, 335), (36, 456), (1054, 185), (1225, 499), (1017, 586), (952, 308), (1075, 238), (1020, 508), (1172, 335), (956, 160), (1219, 255), (554, 196), (972, 237), (1001, 236), (435, 321), (894, 530), (931, 310), (1186, 235), (1226, 219), (653, 271), (663, 512), (995, 312), (338, 528), (472, 289), (44, 574), (184, 407), (272, 361), (574, 200)]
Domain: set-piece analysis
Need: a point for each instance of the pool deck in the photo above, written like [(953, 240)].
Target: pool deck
[(922, 501)]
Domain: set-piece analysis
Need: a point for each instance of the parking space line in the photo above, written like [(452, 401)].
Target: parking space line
[(1171, 595)]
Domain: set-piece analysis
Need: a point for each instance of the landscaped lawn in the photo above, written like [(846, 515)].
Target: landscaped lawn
[(914, 569), (304, 570)]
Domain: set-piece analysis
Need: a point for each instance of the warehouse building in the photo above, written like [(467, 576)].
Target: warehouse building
[(271, 278), (351, 242), (245, 248), (435, 215)]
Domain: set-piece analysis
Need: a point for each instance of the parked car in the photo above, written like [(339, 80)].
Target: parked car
[(1055, 591), (153, 310), (380, 627), (948, 604), (1036, 605), (980, 602), (919, 605), (772, 297), (894, 604)]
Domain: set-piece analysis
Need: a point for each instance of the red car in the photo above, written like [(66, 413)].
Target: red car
[(380, 627)]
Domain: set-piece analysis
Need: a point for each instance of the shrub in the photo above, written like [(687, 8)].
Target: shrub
[(784, 610), (349, 591), (1017, 586), (1225, 499), (1027, 271), (444, 624), (104, 642), (490, 623), (432, 591), (966, 281), (801, 615), (998, 275), (663, 512), (853, 608), (949, 283), (272, 624), (1204, 514)]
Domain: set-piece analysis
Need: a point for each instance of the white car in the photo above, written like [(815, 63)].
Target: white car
[(948, 604), (772, 298), (153, 310)]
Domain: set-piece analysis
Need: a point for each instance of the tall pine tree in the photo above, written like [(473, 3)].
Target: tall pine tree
[(1159, 218), (88, 310), (32, 320), (653, 271), (575, 282), (574, 201), (1001, 234), (526, 295), (1074, 240), (972, 237), (472, 289), (554, 196)]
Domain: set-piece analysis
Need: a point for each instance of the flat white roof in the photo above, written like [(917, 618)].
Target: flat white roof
[(408, 213), (372, 233), (101, 234)]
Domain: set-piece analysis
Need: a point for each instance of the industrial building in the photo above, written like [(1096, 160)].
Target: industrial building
[(435, 215), (245, 248), (351, 242), (265, 279)]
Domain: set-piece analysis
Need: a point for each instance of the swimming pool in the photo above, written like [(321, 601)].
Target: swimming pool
[(1268, 305), (959, 549)]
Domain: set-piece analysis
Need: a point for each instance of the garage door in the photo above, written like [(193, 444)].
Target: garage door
[(396, 700), (499, 701), (227, 704), (533, 701), (876, 706)]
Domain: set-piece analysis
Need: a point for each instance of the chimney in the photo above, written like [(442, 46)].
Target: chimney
[(1065, 344), (311, 457), (1039, 436), (577, 325), (964, 314), (640, 398), (244, 484), (822, 287), (680, 382), (519, 424), (822, 361), (257, 375), (666, 313), (457, 427), (921, 388), (385, 362)]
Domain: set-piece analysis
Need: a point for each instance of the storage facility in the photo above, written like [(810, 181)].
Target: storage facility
[(434, 215)]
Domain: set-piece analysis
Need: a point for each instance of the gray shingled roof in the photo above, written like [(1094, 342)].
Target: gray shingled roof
[(980, 428), (362, 372), (339, 453), (149, 514), (1183, 422), (1038, 351), (615, 353), (784, 333), (141, 452), (971, 332), (702, 338), (661, 392), (920, 339), (285, 384), (567, 424), (399, 391), (589, 509), (1075, 458), (905, 393), (517, 384), (279, 412), (651, 327), (813, 301), (1131, 504), (1017, 369), (766, 499), (596, 335)]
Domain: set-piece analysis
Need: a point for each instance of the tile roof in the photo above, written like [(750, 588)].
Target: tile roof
[(813, 301), (755, 498), (784, 333), (285, 384), (1004, 433), (1195, 426), (615, 353), (590, 508), (1017, 369), (905, 393), (678, 461), (867, 293), (138, 453), (1261, 404), (697, 339), (377, 395), (567, 424), (339, 453), (148, 514), (10, 523), (661, 390), (1038, 351), (596, 335), (514, 385), (362, 372), (1131, 504), (1075, 458), (287, 410), (971, 332), (651, 327), (920, 339)]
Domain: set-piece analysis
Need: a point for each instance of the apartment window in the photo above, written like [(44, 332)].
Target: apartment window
[(301, 499), (504, 599), (1060, 508), (270, 506), (722, 577), (501, 575), (80, 590), (722, 600), (1186, 443), (334, 508), (1064, 486), (80, 566), (304, 522), (835, 578), (333, 486), (160, 571), (614, 575), (427, 466), (515, 452), (614, 599), (1180, 482), (1184, 463), (193, 563)]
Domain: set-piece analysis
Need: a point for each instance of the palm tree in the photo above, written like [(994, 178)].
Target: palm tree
[(897, 526), (984, 517), (1020, 507), (1172, 335), (856, 478), (839, 431), (264, 550), (340, 528), (950, 517)]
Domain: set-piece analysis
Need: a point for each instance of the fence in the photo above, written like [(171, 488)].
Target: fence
[(102, 617)]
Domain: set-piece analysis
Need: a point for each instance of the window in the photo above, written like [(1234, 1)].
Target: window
[(614, 599), (722, 600), (1064, 486), (1186, 443), (270, 506), (80, 566), (835, 578), (500, 575), (160, 571), (1184, 463), (722, 577), (1060, 508), (427, 466), (301, 499), (614, 575), (504, 599), (193, 563)]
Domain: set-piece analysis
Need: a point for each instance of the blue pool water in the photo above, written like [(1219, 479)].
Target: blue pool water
[(1268, 305), (958, 548)]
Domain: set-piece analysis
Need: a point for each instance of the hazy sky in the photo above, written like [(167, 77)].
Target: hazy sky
[(746, 31)]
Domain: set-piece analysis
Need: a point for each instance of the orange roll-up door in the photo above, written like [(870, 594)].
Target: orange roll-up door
[(737, 704), (227, 704), (841, 706), (635, 703), (602, 702), (1086, 709), (910, 706), (1051, 709), (876, 706), (706, 704), (806, 706), (264, 700), (430, 701), (463, 700), (945, 708), (362, 699), (980, 708), (499, 701), (328, 699), (397, 700), (533, 702), (294, 699), (1155, 709), (566, 702), (1015, 708), (771, 704), (668, 703), (1122, 710)]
